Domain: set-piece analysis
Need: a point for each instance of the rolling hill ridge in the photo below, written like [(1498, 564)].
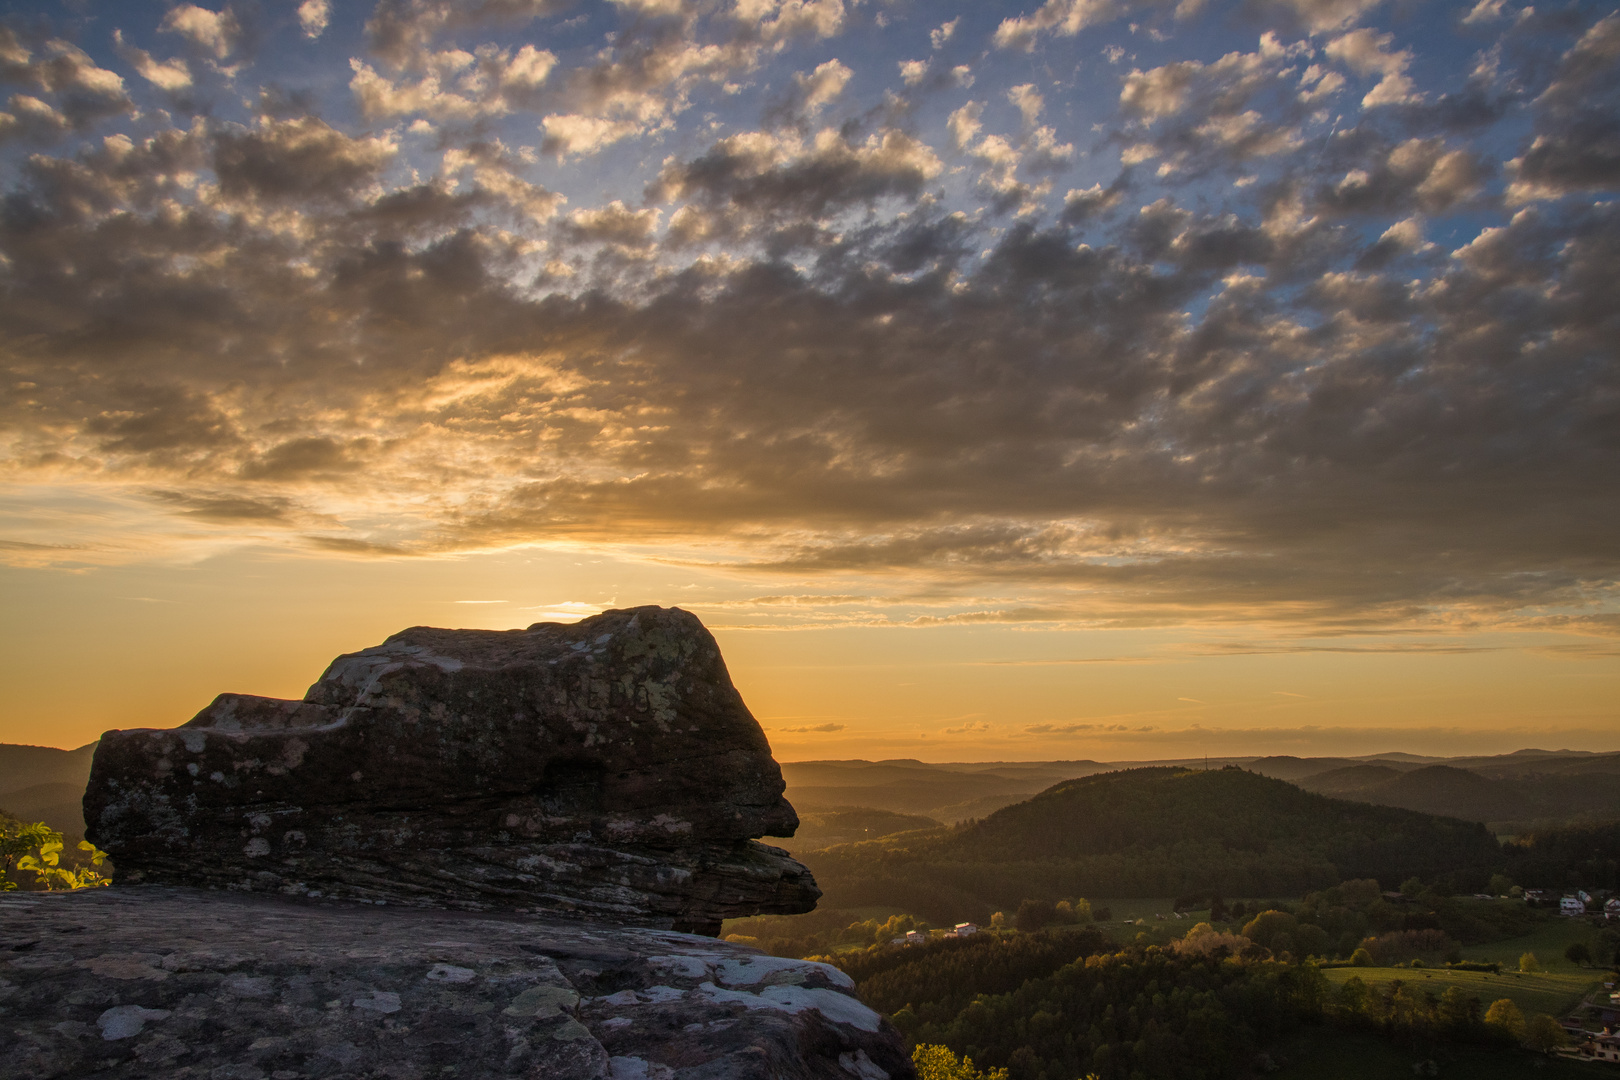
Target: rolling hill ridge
[(1153, 832)]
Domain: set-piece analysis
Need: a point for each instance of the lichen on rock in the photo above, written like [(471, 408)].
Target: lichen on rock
[(606, 768)]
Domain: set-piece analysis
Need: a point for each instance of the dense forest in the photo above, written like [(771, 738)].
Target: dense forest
[(1154, 832), (1058, 1009), (1206, 1006)]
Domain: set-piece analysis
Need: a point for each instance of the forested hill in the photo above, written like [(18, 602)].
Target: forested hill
[(1155, 832), (1157, 808)]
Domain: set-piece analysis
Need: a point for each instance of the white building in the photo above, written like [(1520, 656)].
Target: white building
[(1601, 1047), (1571, 905), (963, 929)]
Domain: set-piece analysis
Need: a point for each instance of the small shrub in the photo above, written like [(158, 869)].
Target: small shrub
[(939, 1063), (1506, 1017), (1543, 1034)]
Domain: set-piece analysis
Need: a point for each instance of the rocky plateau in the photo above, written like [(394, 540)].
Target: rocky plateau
[(160, 981)]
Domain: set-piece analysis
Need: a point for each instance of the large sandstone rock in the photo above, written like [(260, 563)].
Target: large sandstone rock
[(155, 981), (607, 768)]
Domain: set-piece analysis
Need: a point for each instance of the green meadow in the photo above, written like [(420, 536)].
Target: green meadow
[(1547, 940), (1550, 992)]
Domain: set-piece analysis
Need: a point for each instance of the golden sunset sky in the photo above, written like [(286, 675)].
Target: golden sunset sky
[(1105, 379)]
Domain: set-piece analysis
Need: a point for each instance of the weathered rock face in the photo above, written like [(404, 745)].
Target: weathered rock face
[(607, 768), (168, 982)]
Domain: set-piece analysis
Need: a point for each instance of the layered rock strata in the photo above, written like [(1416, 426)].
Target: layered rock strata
[(167, 982), (607, 768)]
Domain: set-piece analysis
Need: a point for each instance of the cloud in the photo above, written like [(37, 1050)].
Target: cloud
[(820, 729), (1084, 729), (964, 123), (302, 457), (1066, 18), (457, 85), (584, 135), (171, 75), (314, 16), (913, 72), (1416, 174), (779, 20), (86, 93), (215, 33), (343, 545), (614, 224), (1028, 100), (1318, 16), (1366, 52), (401, 31), (1576, 143), (225, 508), (298, 160), (759, 174), (823, 84), (922, 360)]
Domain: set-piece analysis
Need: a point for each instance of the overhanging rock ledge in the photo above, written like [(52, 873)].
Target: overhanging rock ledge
[(606, 768)]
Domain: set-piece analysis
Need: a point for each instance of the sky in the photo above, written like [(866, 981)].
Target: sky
[(1106, 379)]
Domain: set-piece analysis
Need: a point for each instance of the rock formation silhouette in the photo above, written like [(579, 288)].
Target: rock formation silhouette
[(606, 768)]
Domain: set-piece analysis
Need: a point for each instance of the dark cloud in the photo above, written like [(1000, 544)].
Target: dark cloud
[(401, 30), (769, 176), (298, 458), (1576, 145), (297, 160), (346, 546), (224, 508), (161, 421)]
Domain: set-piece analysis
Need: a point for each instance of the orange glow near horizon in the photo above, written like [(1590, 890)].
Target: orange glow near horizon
[(147, 646)]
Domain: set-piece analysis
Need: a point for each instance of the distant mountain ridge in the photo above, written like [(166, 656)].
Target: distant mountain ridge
[(1512, 790), (1498, 794), (1155, 831), (44, 783), (1522, 788)]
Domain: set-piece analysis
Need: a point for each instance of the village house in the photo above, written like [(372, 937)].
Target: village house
[(1571, 905), (1604, 1047), (1611, 910), (963, 929)]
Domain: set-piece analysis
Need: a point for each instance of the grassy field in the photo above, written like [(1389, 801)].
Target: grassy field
[(1552, 992), (1548, 941), (1136, 908), (1326, 1054)]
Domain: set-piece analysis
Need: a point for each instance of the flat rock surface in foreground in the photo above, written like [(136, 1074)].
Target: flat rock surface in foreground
[(162, 981)]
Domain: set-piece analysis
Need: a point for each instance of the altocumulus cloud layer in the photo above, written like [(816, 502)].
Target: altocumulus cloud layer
[(1292, 309)]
